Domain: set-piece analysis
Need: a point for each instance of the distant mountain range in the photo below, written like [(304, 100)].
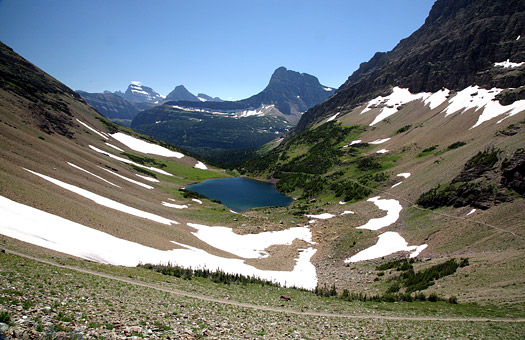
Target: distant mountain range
[(122, 107), (180, 93), (215, 125), (212, 129), (290, 92)]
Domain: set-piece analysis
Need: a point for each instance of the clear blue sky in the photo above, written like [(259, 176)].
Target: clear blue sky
[(222, 48)]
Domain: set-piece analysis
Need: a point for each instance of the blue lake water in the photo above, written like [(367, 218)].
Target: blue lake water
[(241, 194)]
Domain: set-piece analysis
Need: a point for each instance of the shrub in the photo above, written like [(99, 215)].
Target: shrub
[(453, 300), (455, 145), (5, 317), (404, 129), (433, 297)]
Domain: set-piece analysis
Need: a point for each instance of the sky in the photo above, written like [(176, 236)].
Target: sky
[(227, 48)]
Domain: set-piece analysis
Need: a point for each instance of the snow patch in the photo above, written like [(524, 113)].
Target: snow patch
[(323, 216), (388, 243), (249, 246), (114, 147), (382, 151), (37, 227), (145, 147), (196, 200), (92, 174), (200, 165), (148, 178), (176, 206), (474, 97), (347, 212), (327, 88), (392, 102), (404, 174), (125, 160), (333, 117), (379, 141), (471, 212), (508, 64), (106, 202), (128, 179), (92, 129), (392, 208), (437, 98)]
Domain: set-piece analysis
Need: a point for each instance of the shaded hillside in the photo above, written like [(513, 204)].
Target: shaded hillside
[(456, 47), (112, 106)]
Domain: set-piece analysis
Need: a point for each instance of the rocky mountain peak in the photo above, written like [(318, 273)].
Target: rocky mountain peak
[(138, 93)]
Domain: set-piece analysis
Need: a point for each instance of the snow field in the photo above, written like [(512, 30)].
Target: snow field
[(388, 243), (101, 200), (249, 246), (125, 160), (391, 206), (53, 232), (128, 179), (145, 147)]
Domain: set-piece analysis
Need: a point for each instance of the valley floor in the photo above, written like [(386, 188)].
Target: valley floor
[(66, 298)]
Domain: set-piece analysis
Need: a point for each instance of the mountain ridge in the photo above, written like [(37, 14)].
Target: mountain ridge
[(457, 46)]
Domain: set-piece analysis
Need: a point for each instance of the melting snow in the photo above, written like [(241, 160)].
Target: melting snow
[(105, 201), (114, 147), (196, 200), (382, 151), (395, 185), (471, 212), (392, 102), (388, 243), (474, 97), (176, 206), (342, 203), (249, 246), (148, 178), (379, 141), (437, 98), (35, 226), (508, 64), (323, 216), (347, 212), (92, 174), (404, 174), (333, 117), (125, 160), (391, 206), (200, 165), (128, 179), (92, 129), (145, 147)]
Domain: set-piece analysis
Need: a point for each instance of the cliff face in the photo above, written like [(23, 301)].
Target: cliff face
[(456, 47)]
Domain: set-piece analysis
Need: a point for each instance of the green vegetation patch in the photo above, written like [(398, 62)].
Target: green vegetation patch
[(474, 186), (217, 276)]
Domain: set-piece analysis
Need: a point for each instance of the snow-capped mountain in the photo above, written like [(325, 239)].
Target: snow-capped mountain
[(138, 93)]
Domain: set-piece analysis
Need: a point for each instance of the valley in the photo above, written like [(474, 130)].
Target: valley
[(404, 216)]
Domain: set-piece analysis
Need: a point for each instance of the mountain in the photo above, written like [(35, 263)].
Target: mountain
[(457, 46), (205, 98), (112, 106), (431, 136), (227, 132), (138, 93), (290, 92), (407, 214), (180, 93)]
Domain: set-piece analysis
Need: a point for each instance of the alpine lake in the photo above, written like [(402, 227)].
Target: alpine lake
[(240, 194)]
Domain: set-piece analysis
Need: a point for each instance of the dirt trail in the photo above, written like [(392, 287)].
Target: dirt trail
[(257, 307)]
